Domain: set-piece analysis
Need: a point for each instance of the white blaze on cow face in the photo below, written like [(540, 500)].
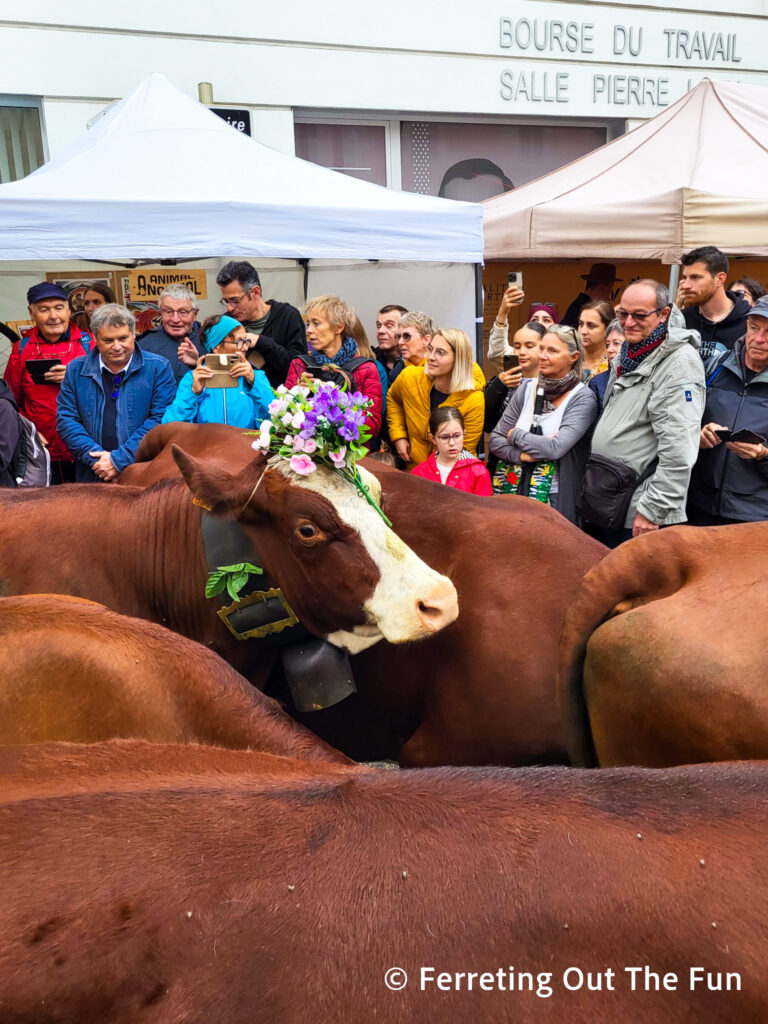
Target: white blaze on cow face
[(410, 601)]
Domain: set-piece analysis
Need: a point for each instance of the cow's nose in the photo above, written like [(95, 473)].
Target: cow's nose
[(440, 608)]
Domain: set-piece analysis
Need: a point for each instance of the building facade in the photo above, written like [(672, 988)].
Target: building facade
[(453, 99)]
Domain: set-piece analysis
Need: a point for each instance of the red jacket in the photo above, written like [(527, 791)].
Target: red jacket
[(469, 474), (38, 401), (367, 380)]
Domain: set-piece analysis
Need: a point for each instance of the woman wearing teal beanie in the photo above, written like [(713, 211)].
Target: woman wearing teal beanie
[(244, 405)]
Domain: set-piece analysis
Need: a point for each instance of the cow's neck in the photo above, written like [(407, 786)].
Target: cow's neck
[(170, 552)]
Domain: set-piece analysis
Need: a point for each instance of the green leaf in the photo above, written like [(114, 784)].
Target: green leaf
[(235, 584), (217, 580)]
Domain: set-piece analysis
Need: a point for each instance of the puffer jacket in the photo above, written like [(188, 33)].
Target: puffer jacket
[(468, 474), (408, 411), (243, 406), (722, 483), (653, 411)]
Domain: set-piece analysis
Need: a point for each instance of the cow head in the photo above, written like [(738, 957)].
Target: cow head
[(344, 572)]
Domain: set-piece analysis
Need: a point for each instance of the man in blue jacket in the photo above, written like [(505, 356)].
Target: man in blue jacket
[(112, 397), (730, 479)]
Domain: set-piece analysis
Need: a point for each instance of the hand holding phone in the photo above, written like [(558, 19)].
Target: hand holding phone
[(511, 361)]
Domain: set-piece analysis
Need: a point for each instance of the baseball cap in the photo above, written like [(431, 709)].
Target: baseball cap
[(760, 308), (45, 290)]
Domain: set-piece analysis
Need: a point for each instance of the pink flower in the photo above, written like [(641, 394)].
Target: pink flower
[(309, 445), (337, 458), (299, 445), (302, 464)]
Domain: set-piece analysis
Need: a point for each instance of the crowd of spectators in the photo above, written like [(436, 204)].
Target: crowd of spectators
[(626, 418)]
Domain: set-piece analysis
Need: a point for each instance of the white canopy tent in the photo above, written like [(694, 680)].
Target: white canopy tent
[(159, 176), (695, 174)]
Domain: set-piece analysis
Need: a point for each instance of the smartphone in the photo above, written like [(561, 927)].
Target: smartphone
[(37, 369), (511, 362), (741, 436), (220, 364), (515, 279)]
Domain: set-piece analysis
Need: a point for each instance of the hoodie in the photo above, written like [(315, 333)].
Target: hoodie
[(715, 337), (9, 433), (655, 411)]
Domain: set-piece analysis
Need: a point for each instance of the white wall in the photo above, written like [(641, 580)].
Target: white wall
[(441, 58)]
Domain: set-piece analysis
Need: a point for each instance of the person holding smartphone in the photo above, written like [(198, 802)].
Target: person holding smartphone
[(238, 395), (521, 364), (729, 482), (498, 344)]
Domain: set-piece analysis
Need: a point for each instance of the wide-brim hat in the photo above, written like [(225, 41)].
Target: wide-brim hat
[(601, 273)]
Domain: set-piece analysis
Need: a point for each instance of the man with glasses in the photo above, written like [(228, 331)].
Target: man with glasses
[(177, 339), (275, 329), (112, 397), (652, 410)]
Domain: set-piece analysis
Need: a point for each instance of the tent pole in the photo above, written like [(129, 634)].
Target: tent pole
[(305, 264), (674, 280), (479, 313)]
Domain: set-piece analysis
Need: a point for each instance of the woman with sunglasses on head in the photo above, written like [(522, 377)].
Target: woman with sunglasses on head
[(244, 405), (450, 463), (542, 440)]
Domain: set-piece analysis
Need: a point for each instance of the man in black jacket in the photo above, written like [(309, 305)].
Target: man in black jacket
[(9, 434), (719, 316), (277, 327)]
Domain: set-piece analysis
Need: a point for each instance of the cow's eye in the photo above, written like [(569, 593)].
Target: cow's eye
[(308, 532)]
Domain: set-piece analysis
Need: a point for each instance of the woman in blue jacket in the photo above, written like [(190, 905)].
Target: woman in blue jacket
[(196, 401)]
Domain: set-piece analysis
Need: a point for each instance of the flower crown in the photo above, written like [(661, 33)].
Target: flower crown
[(318, 423)]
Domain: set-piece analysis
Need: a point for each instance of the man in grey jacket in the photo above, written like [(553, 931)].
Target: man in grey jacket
[(653, 407)]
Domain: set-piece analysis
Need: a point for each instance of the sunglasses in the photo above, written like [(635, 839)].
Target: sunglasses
[(405, 336), (622, 315), (117, 380)]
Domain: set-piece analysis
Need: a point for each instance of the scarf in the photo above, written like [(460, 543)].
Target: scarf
[(347, 351), (554, 388), (631, 356)]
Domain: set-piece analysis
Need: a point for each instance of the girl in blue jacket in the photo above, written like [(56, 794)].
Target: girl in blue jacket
[(197, 401)]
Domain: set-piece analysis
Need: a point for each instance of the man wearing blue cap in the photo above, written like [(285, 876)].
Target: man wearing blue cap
[(200, 397), (35, 385)]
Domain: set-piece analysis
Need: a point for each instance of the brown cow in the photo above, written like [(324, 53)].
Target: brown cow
[(148, 883), (73, 670), (481, 692), (662, 657)]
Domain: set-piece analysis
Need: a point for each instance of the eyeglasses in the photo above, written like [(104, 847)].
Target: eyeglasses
[(448, 437), (231, 303), (117, 380), (405, 336), (182, 314), (639, 318)]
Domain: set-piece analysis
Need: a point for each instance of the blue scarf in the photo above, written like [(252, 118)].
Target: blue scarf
[(347, 351)]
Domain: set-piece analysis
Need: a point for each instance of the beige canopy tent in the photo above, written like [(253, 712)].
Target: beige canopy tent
[(696, 174)]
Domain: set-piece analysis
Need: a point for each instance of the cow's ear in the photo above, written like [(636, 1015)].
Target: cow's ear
[(214, 487)]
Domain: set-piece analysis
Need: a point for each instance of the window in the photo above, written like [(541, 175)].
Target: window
[(21, 141), (358, 150), (477, 161)]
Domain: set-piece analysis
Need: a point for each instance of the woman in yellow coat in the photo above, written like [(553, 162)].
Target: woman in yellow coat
[(450, 377)]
